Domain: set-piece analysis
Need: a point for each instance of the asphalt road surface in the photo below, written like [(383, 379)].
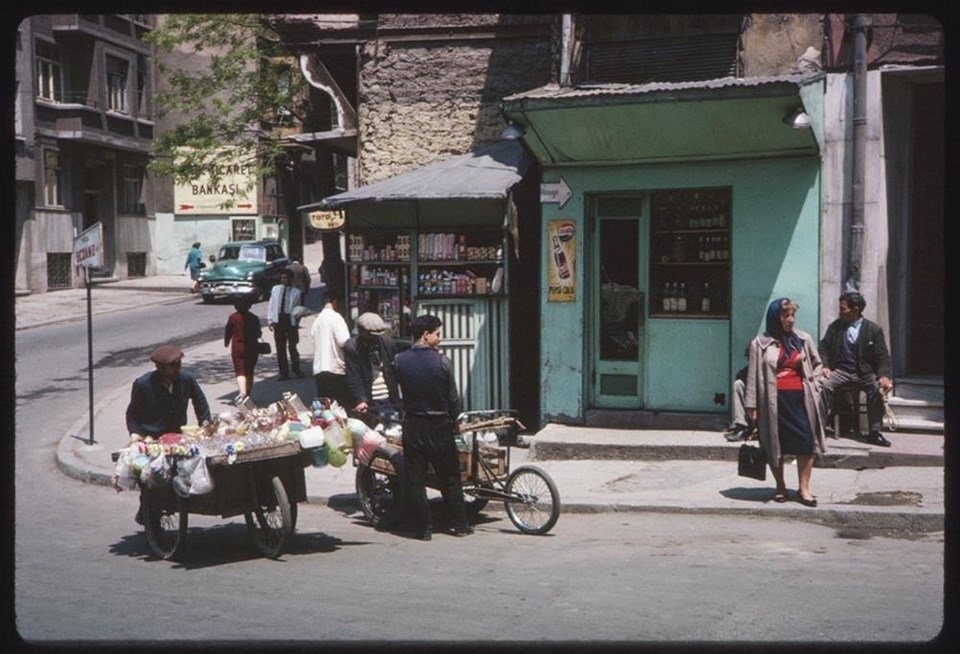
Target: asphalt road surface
[(84, 572)]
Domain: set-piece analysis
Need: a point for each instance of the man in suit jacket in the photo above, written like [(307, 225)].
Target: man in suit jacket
[(855, 356), (285, 325), (371, 378)]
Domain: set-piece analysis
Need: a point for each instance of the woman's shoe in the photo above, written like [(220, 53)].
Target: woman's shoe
[(806, 502), (780, 496)]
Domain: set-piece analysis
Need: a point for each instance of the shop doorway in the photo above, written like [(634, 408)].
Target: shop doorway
[(617, 303)]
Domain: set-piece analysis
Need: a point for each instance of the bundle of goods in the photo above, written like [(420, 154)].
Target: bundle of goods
[(181, 459)]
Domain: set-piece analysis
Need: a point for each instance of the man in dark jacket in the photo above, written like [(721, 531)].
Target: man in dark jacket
[(855, 357), (368, 357), (158, 399), (431, 406)]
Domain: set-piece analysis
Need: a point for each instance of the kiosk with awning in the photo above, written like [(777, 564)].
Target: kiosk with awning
[(443, 239)]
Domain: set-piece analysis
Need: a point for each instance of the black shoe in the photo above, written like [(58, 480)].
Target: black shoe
[(811, 502), (738, 435), (460, 532), (876, 438), (425, 535), (139, 517), (299, 374), (283, 377)]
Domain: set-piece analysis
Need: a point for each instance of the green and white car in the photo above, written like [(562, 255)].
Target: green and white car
[(245, 269)]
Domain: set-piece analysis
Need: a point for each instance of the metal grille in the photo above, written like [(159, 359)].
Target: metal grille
[(667, 59), (59, 270), (136, 264)]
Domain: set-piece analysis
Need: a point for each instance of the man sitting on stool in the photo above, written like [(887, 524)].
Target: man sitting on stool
[(855, 357)]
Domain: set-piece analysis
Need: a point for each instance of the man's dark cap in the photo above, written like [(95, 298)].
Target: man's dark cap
[(168, 353)]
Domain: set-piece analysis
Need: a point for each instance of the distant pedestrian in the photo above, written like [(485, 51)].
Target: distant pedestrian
[(300, 277), (432, 405), (330, 333), (242, 334), (783, 397), (285, 324), (194, 264)]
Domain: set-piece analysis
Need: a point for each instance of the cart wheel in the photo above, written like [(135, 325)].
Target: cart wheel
[(271, 522), (534, 503), (166, 529), (377, 491), (474, 505)]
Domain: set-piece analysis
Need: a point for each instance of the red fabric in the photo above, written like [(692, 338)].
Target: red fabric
[(790, 373)]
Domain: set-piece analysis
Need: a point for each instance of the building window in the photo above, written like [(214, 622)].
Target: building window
[(51, 178), (244, 229), (116, 84), (131, 190), (142, 108), (339, 172), (49, 73)]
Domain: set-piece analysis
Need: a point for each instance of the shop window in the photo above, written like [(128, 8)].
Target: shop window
[(116, 84), (131, 190), (49, 73), (690, 253), (243, 229), (51, 178), (59, 269)]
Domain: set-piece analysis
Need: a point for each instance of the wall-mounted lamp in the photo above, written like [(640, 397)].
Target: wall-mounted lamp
[(797, 119), (512, 131)]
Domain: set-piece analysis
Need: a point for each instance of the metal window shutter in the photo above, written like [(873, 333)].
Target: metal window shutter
[(667, 59)]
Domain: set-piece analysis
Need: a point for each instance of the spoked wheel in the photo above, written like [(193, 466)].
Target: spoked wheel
[(534, 503), (271, 522), (475, 505), (377, 491), (165, 527)]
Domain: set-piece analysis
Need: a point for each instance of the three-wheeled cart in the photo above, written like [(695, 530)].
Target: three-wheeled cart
[(529, 495), (263, 484)]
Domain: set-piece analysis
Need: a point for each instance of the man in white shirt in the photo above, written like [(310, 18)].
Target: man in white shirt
[(330, 334), (284, 324)]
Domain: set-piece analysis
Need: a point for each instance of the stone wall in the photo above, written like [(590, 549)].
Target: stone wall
[(772, 43), (431, 96)]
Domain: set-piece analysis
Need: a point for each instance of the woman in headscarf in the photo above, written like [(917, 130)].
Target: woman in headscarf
[(783, 385)]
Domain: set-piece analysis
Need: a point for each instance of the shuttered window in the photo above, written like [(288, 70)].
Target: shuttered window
[(685, 58)]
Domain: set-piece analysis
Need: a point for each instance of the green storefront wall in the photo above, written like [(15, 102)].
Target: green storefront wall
[(773, 172)]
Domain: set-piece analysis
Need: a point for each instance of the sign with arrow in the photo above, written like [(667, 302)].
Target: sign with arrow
[(556, 192), (234, 192)]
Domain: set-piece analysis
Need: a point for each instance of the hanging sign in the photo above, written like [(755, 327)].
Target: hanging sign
[(88, 247), (561, 257), (326, 219)]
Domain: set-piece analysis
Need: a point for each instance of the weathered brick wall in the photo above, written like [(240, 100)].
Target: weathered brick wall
[(422, 100)]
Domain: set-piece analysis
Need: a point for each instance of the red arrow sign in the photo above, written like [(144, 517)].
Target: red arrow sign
[(245, 205), (186, 206)]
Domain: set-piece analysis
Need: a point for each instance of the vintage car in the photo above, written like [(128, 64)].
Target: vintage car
[(245, 269)]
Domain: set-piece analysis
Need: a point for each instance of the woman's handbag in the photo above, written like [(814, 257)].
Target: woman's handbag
[(263, 347), (752, 462)]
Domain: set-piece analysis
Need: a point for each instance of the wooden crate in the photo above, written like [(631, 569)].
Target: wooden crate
[(495, 457)]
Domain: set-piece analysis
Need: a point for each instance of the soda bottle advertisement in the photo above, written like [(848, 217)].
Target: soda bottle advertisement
[(561, 243)]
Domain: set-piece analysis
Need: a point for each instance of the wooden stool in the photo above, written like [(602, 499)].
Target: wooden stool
[(850, 406)]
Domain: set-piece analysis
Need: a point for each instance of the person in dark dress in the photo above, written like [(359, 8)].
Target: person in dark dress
[(242, 334), (782, 397)]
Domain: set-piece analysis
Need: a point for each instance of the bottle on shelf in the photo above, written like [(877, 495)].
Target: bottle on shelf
[(682, 298), (705, 299), (666, 296)]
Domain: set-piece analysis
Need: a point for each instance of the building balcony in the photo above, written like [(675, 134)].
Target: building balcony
[(126, 30)]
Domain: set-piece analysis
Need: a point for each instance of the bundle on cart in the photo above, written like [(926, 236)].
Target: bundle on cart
[(246, 433)]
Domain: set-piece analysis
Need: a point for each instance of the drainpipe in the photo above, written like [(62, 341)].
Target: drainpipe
[(566, 49), (860, 25)]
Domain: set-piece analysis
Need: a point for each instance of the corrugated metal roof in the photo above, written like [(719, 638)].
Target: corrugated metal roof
[(555, 92), (488, 171)]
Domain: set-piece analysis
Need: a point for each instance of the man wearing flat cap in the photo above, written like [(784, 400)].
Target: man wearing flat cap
[(371, 380), (158, 400)]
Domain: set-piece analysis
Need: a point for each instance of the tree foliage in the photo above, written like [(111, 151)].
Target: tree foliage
[(226, 83)]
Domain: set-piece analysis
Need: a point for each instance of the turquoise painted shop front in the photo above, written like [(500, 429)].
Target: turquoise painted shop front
[(687, 363)]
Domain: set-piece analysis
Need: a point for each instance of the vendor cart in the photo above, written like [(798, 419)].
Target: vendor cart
[(264, 484), (529, 495)]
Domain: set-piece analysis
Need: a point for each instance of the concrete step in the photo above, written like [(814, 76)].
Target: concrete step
[(919, 388), (922, 415), (566, 442)]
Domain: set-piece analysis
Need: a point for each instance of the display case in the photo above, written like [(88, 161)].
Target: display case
[(690, 253), (388, 271)]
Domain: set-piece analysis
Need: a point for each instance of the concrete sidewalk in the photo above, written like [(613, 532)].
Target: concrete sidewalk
[(857, 485)]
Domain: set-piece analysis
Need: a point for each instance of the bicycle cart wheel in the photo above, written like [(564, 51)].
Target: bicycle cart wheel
[(377, 491), (165, 527), (271, 522), (534, 503)]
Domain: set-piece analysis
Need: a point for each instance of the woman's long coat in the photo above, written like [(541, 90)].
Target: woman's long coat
[(762, 391)]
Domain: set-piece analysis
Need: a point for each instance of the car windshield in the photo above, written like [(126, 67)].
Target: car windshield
[(252, 253)]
